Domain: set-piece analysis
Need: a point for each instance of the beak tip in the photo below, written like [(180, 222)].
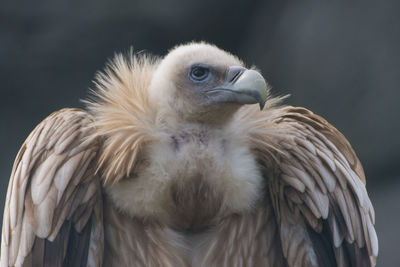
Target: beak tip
[(262, 105), (259, 88)]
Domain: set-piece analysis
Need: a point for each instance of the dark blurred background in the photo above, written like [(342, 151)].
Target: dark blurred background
[(337, 58)]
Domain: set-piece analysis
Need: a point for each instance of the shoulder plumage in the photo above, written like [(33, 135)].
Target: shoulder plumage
[(54, 204), (317, 186)]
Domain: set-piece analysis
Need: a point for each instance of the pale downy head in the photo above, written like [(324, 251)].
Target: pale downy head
[(202, 83)]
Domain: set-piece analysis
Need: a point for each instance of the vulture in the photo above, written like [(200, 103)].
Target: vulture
[(186, 160)]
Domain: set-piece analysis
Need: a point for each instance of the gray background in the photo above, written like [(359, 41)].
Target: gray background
[(338, 58)]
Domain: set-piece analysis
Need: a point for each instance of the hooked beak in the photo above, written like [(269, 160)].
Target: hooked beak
[(243, 86)]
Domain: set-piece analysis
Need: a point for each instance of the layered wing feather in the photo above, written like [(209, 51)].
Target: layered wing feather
[(53, 211), (318, 190)]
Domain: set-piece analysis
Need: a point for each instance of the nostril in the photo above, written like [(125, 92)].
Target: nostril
[(234, 73), (234, 78)]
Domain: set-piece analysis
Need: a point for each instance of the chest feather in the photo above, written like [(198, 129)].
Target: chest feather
[(190, 181)]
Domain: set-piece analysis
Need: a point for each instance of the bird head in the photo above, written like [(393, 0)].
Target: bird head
[(202, 83)]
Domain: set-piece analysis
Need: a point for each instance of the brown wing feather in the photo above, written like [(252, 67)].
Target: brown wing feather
[(53, 211), (318, 189)]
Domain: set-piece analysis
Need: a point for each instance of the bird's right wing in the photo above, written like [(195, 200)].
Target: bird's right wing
[(53, 214)]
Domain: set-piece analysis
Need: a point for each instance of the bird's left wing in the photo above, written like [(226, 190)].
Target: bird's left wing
[(317, 189), (53, 210)]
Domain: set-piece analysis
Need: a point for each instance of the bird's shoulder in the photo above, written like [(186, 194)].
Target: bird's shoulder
[(53, 193), (317, 186)]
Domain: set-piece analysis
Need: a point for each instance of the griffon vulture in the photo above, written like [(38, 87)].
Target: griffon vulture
[(172, 166)]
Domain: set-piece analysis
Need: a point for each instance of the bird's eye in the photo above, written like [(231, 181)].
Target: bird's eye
[(199, 74)]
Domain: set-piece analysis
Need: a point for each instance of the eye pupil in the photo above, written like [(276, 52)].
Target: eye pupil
[(199, 73)]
